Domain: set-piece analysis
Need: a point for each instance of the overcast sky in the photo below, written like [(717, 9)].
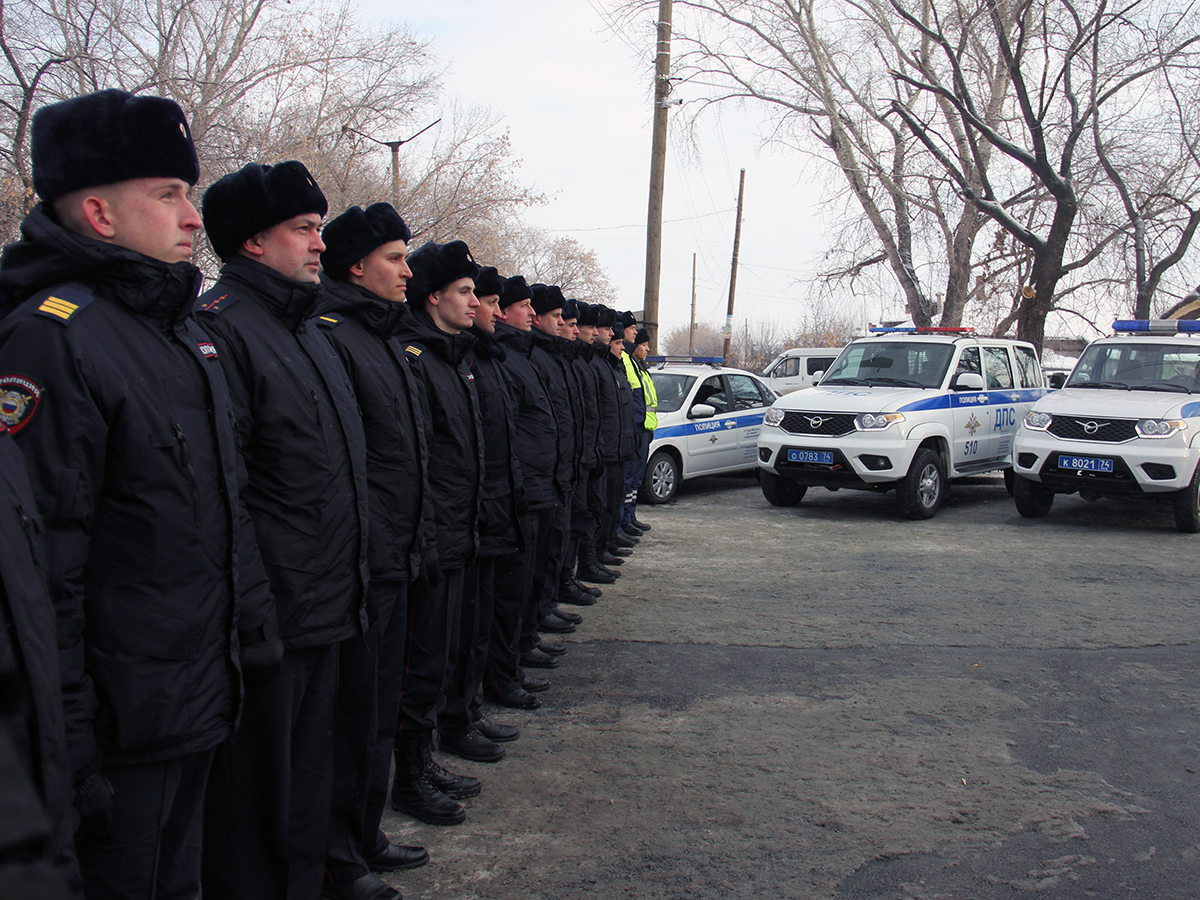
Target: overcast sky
[(576, 101)]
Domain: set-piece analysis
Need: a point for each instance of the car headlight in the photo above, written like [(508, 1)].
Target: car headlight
[(773, 416), (1038, 421), (877, 421), (1160, 428)]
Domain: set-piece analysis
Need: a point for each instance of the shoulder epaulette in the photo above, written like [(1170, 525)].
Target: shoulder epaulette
[(217, 303), (64, 301), (414, 350), (331, 319)]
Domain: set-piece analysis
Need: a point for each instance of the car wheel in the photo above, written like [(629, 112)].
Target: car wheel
[(1187, 506), (1033, 500), (780, 491), (923, 488), (662, 478), (1009, 475)]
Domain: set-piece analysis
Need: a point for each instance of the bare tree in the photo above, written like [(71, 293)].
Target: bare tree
[(1071, 66), (817, 70)]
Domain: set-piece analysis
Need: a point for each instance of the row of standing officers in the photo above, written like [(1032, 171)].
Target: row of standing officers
[(262, 542)]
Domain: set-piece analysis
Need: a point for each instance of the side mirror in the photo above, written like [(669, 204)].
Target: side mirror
[(1057, 380), (818, 375), (702, 411), (968, 381)]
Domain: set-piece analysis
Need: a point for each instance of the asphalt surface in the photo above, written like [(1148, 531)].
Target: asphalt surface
[(831, 701)]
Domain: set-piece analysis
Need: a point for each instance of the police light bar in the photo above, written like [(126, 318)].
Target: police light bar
[(1157, 326), (908, 329), (697, 360)]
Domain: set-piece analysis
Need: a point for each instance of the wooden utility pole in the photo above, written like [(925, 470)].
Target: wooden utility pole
[(658, 164), (692, 325), (737, 242)]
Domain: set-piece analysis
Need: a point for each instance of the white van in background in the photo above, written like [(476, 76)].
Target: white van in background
[(799, 367)]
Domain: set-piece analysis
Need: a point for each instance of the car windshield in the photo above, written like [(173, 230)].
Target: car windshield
[(672, 389), (920, 364), (1132, 366)]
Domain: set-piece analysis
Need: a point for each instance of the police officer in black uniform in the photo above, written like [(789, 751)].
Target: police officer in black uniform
[(362, 310), (463, 729), (302, 443), (437, 343), (118, 401), (535, 445)]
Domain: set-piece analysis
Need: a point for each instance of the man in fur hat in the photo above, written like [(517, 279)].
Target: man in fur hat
[(361, 312), (302, 442), (118, 401), (437, 343)]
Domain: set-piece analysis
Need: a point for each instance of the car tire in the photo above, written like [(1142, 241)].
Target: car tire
[(922, 490), (1187, 506), (1033, 499), (662, 478), (1009, 475), (780, 491)]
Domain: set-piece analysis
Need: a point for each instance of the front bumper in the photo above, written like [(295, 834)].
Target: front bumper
[(1140, 465)]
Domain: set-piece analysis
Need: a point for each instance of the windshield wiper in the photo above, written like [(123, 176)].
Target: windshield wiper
[(1103, 385), (844, 381), (1162, 386), (903, 382)]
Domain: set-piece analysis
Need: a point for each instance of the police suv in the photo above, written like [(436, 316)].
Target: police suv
[(905, 409), (708, 422), (1126, 423)]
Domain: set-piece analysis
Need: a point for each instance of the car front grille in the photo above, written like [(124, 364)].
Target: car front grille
[(1111, 431), (817, 423)]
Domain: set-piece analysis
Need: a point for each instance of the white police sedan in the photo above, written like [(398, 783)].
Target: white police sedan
[(709, 417)]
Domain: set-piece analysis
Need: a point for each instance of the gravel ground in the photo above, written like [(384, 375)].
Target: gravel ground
[(831, 701)]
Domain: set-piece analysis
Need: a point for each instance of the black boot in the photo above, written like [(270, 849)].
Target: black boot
[(456, 787), (569, 593), (413, 792), (586, 588), (607, 557), (590, 568)]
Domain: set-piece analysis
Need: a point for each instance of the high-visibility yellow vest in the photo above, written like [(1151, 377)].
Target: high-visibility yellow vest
[(639, 379)]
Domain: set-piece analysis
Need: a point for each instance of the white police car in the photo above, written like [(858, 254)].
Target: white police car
[(1126, 423), (708, 422), (904, 409)]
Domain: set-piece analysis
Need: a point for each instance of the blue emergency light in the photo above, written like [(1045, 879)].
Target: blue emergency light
[(697, 360), (1157, 326)]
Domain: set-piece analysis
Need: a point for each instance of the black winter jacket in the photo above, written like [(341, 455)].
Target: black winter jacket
[(609, 405), (548, 359), (362, 328), (535, 440), (118, 402), (302, 442), (502, 492), (32, 706), (627, 441), (454, 433), (589, 386)]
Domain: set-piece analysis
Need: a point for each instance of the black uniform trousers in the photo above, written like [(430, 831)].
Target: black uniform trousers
[(635, 471), (266, 816), (614, 500), (371, 669), (556, 555), (542, 531), (470, 655), (434, 612), (153, 850), (512, 586)]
